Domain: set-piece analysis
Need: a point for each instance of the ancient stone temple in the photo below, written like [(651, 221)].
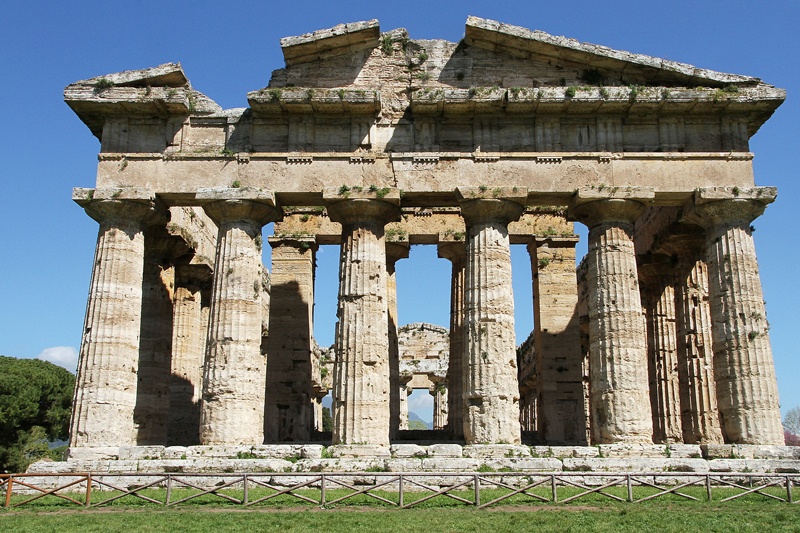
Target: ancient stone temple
[(373, 142)]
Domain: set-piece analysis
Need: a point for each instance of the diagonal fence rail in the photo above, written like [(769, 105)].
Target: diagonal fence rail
[(399, 490)]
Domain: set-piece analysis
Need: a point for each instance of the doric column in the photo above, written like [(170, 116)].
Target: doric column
[(404, 392), (699, 412), (620, 398), (747, 390), (235, 370), (189, 327), (559, 372), (656, 277), (105, 392), (151, 415), (288, 411), (394, 252), (439, 392), (491, 391), (456, 253), (361, 380)]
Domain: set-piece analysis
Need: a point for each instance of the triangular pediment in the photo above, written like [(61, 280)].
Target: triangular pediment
[(599, 63)]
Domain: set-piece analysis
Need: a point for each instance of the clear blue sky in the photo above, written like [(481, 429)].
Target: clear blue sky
[(230, 48)]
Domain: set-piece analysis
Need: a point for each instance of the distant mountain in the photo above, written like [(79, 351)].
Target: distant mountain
[(414, 416)]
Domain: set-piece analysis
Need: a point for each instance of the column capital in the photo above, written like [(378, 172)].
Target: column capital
[(452, 250), (500, 204), (608, 210), (122, 205), (300, 242), (355, 210), (728, 206), (396, 251)]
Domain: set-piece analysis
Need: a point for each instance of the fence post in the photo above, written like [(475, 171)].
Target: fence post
[(9, 489), (630, 487), (400, 490), (477, 489), (553, 487), (169, 488), (788, 489), (708, 487), (245, 497), (322, 491), (88, 490)]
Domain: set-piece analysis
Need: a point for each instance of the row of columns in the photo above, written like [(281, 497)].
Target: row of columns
[(744, 386), (483, 392)]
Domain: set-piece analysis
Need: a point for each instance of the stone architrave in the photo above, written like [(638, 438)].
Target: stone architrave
[(658, 299), (560, 414), (456, 253), (394, 252), (361, 378), (620, 397), (105, 393), (288, 411), (747, 389), (699, 413), (235, 370), (190, 324), (491, 391)]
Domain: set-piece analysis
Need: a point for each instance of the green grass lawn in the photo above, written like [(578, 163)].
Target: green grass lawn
[(361, 513)]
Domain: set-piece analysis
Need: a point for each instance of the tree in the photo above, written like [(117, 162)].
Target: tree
[(35, 405), (327, 422), (791, 422)]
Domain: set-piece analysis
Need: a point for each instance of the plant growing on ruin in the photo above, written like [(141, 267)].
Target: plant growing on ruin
[(236, 184), (102, 84), (386, 45), (570, 92)]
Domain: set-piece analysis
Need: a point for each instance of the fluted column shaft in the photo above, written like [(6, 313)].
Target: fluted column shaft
[(105, 391), (235, 370), (696, 363), (288, 411), (403, 409), (658, 299), (189, 328), (491, 390), (456, 253), (620, 398), (559, 386), (440, 394), (747, 391), (361, 378), (394, 252)]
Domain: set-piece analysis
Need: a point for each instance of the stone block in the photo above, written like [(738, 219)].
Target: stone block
[(311, 451), (450, 464), (82, 454), (406, 464), (684, 451), (407, 450), (133, 453), (632, 450), (717, 451), (525, 464), (359, 450), (585, 451), (176, 452), (485, 451), (634, 464), (444, 450)]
